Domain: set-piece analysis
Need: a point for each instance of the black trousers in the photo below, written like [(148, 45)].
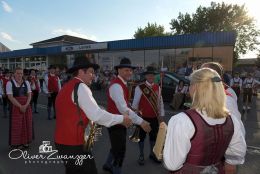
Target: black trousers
[(35, 97), (248, 92), (237, 91), (153, 133), (72, 167), (51, 102), (117, 135)]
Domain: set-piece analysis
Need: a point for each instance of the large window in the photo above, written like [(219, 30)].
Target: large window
[(107, 60), (152, 58), (167, 58)]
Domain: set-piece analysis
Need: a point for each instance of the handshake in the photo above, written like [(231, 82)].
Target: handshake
[(127, 122)]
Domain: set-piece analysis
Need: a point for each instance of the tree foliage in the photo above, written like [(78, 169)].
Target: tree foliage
[(220, 17), (150, 30)]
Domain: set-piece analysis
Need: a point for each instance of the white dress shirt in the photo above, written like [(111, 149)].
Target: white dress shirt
[(90, 107), (183, 90), (236, 80), (249, 82), (180, 131), (231, 105), (138, 95), (232, 92), (9, 89), (33, 85), (45, 84), (117, 95)]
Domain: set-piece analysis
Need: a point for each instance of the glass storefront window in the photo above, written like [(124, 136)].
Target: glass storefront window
[(137, 58), (181, 61), (11, 60), (152, 58), (3, 60), (168, 58), (18, 60)]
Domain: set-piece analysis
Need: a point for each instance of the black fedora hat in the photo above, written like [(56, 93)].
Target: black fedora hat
[(26, 72), (82, 62), (6, 71), (52, 67), (150, 70), (125, 63)]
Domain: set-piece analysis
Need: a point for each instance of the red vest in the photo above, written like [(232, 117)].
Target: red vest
[(208, 144), (34, 80), (53, 83), (145, 107), (111, 106), (68, 131), (4, 84)]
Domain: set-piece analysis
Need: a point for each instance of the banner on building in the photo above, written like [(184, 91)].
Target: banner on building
[(95, 46)]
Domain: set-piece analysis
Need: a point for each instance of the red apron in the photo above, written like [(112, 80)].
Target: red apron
[(20, 124)]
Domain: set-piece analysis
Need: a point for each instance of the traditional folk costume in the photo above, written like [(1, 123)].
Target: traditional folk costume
[(179, 96), (236, 85), (248, 84), (36, 89), (147, 102), (4, 81), (52, 87), (196, 142), (20, 125), (118, 96), (72, 119)]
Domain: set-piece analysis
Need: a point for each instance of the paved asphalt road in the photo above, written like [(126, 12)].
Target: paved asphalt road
[(44, 130)]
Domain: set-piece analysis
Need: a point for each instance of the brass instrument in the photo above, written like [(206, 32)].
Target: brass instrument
[(92, 132), (135, 138)]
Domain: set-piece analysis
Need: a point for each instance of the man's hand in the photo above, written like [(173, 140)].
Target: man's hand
[(146, 126), (160, 119), (127, 122), (230, 169)]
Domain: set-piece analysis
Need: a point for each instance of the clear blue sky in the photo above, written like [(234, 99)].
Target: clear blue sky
[(26, 21)]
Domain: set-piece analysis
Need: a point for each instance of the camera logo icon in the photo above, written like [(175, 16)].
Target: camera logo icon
[(45, 147)]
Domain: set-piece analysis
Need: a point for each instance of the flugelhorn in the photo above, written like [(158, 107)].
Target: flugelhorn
[(135, 137)]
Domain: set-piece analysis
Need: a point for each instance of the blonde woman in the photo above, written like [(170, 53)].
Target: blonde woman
[(204, 138)]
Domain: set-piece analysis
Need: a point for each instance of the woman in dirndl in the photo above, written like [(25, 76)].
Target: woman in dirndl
[(204, 139), (20, 124)]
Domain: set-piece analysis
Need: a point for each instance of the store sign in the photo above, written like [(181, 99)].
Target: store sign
[(95, 46)]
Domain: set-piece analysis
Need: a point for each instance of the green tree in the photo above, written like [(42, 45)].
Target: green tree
[(221, 17), (150, 30)]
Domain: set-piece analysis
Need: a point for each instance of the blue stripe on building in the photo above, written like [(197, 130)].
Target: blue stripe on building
[(206, 39)]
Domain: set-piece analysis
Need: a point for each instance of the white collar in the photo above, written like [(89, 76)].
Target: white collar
[(149, 84), (122, 79), (78, 79)]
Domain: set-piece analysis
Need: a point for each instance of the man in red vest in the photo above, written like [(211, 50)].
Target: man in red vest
[(118, 96), (148, 102), (4, 80), (51, 88), (75, 107), (36, 89)]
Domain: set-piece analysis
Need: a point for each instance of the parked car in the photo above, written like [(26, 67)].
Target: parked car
[(169, 82)]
